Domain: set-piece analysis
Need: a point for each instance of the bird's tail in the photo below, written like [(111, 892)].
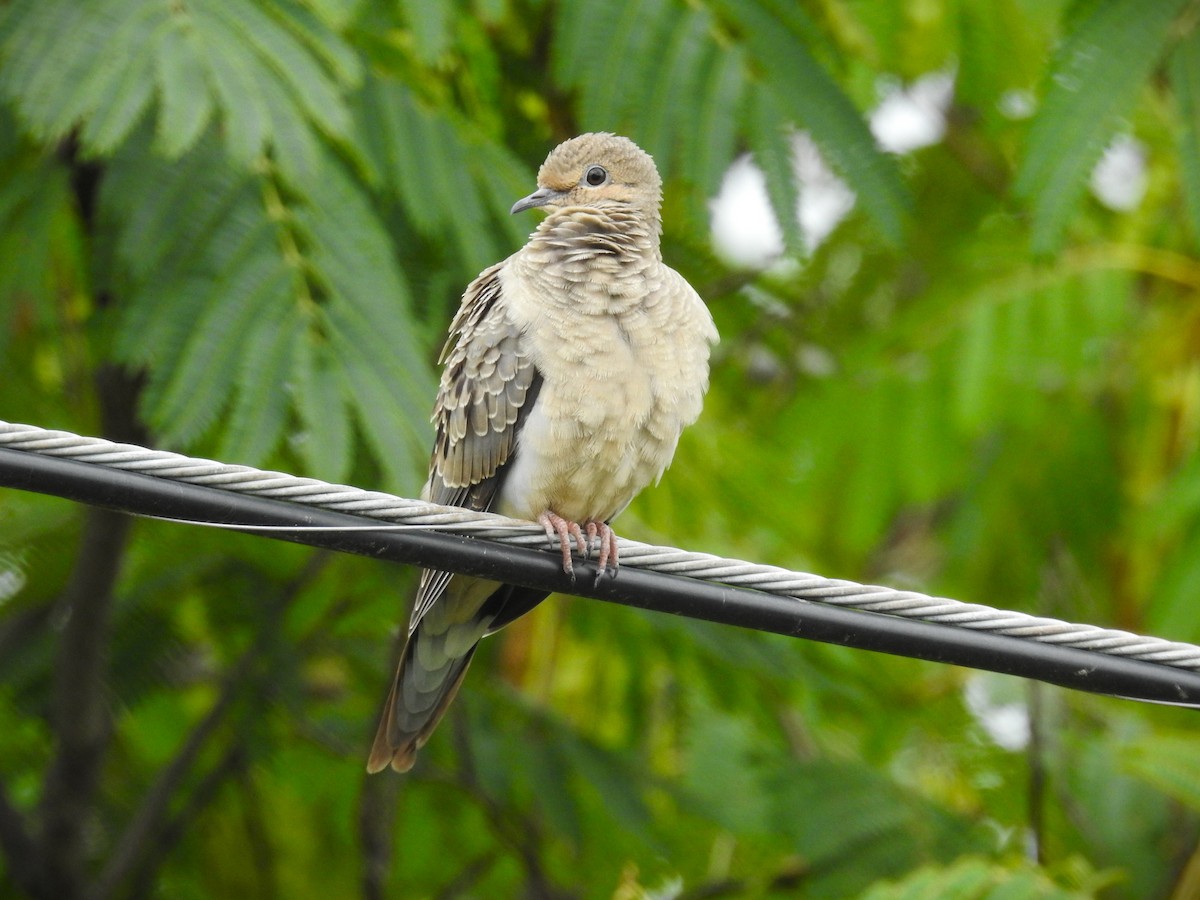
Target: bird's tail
[(426, 681)]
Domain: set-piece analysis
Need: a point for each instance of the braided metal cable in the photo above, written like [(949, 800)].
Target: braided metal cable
[(706, 567)]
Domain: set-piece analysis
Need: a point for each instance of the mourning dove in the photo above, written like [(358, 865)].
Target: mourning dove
[(571, 369)]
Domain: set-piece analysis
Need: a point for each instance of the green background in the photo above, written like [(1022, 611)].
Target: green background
[(239, 228)]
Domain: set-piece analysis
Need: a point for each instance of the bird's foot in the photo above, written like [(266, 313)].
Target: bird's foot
[(608, 559), (563, 532)]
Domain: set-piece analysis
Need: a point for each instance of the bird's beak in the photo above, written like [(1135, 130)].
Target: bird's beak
[(540, 197)]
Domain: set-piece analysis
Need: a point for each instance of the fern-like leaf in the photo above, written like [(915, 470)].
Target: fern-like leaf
[(1169, 763), (627, 68), (255, 256), (309, 85), (60, 76), (260, 407), (367, 314), (1185, 79), (316, 26), (377, 381), (1093, 80), (184, 111), (423, 157), (807, 96), (583, 30), (678, 101), (676, 83), (188, 396), (325, 439), (706, 156), (277, 77), (771, 145)]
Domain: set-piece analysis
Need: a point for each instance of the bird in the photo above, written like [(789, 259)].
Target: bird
[(570, 371)]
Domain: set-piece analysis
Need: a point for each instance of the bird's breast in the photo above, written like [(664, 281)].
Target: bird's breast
[(617, 390), (587, 448)]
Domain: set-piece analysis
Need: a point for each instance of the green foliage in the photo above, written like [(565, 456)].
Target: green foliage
[(276, 74), (1170, 763), (239, 228), (808, 97), (658, 91), (973, 878), (1185, 79), (1094, 79), (259, 286)]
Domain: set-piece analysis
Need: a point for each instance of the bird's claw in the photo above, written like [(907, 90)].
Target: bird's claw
[(608, 559), (560, 532), (591, 534)]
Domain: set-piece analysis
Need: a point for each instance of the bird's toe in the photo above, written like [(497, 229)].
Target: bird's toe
[(560, 533), (608, 559)]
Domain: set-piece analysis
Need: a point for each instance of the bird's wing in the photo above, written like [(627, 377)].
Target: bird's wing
[(488, 386)]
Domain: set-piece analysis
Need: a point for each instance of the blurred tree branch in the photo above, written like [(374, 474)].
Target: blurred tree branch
[(377, 811), (146, 827), (517, 829), (468, 877), (376, 821), (173, 829), (81, 717), (20, 851), (139, 843)]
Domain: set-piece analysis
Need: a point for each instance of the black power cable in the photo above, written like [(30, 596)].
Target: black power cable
[(146, 495)]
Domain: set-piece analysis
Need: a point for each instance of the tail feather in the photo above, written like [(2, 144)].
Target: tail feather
[(412, 712), (434, 661)]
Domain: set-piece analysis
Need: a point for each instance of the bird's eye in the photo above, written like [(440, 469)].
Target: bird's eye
[(595, 176)]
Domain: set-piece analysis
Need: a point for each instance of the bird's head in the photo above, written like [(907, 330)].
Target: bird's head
[(597, 170)]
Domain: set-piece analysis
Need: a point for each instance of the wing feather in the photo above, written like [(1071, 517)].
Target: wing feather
[(488, 385)]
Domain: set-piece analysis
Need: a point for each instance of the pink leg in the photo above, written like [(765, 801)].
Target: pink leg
[(561, 531), (609, 558)]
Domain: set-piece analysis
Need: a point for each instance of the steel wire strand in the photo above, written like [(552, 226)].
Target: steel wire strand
[(668, 560)]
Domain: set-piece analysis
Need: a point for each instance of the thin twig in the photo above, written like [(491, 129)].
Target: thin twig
[(523, 835), (147, 821), (139, 835), (173, 830), (464, 882)]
